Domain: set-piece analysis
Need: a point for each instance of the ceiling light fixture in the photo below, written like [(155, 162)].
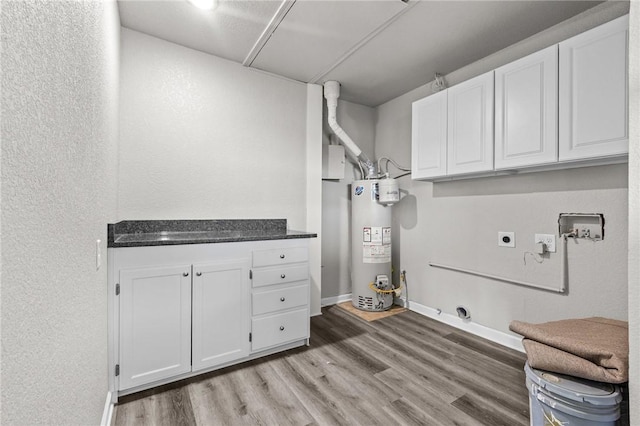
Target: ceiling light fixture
[(204, 4)]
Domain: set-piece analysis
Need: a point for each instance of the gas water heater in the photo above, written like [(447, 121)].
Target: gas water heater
[(371, 198), (371, 287)]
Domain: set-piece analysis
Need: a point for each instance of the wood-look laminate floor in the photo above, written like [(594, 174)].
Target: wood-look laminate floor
[(404, 369)]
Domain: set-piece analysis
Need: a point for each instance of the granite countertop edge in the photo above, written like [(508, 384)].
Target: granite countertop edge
[(176, 232)]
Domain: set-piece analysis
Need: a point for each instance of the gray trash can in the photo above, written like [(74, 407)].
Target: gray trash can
[(559, 400)]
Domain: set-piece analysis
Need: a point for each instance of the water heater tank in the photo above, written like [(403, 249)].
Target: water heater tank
[(370, 247)]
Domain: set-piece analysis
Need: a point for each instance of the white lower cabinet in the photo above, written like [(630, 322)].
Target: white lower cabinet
[(176, 311), (273, 330), (280, 308), (155, 324), (221, 306)]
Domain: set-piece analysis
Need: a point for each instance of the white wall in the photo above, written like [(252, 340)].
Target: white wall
[(206, 138), (59, 151), (634, 210), (359, 123), (457, 222)]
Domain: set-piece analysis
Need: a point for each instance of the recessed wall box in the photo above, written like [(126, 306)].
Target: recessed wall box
[(332, 162), (506, 239), (582, 225)]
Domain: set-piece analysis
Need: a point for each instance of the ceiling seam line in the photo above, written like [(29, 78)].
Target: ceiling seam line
[(277, 19), (362, 42)]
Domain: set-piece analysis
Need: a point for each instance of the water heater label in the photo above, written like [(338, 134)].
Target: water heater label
[(386, 236), (376, 244), (359, 190), (376, 235), (366, 235)]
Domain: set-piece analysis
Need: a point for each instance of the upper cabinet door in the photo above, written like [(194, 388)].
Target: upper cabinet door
[(429, 137), (527, 111), (593, 92), (470, 126)]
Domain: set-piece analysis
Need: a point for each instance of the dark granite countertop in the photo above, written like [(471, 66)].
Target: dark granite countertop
[(139, 233)]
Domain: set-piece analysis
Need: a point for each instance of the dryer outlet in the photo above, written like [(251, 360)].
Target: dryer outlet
[(506, 239)]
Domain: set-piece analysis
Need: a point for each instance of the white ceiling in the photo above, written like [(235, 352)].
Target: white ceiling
[(377, 49)]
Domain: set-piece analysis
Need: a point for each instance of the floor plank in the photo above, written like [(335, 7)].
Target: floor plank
[(404, 369)]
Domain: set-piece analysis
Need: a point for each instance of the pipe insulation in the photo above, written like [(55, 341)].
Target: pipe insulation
[(331, 94)]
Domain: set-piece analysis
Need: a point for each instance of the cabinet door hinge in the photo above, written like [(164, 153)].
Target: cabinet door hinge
[(117, 369), (249, 336), (117, 289), (250, 274)]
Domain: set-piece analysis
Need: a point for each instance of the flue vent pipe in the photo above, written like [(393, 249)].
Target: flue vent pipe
[(331, 94)]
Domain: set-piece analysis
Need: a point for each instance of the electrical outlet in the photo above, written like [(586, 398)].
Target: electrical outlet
[(506, 239), (547, 239)]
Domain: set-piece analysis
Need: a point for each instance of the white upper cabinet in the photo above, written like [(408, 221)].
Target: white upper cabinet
[(470, 126), (564, 106), (526, 121), (593, 92), (429, 137)]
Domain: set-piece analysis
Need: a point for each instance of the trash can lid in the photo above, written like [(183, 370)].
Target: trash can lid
[(575, 388)]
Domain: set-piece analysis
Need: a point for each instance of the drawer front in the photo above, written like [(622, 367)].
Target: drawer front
[(281, 256), (279, 329), (271, 276), (276, 300)]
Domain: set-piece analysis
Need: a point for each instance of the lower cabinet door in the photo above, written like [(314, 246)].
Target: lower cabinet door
[(221, 313), (155, 324)]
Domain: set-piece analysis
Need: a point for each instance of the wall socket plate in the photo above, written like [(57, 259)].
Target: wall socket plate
[(506, 239), (547, 239)]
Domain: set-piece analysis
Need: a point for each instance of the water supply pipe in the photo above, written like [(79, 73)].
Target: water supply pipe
[(331, 94)]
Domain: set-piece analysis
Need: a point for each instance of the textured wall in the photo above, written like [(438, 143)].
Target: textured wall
[(457, 222), (202, 137), (59, 140), (634, 209), (359, 123)]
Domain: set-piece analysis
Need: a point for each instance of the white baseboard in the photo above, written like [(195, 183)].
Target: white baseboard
[(107, 413), (328, 301), (496, 336)]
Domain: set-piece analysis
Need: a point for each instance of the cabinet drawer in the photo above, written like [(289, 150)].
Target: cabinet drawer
[(280, 299), (278, 329), (289, 274), (280, 256)]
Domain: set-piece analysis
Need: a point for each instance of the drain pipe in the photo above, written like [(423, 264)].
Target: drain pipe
[(331, 94)]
